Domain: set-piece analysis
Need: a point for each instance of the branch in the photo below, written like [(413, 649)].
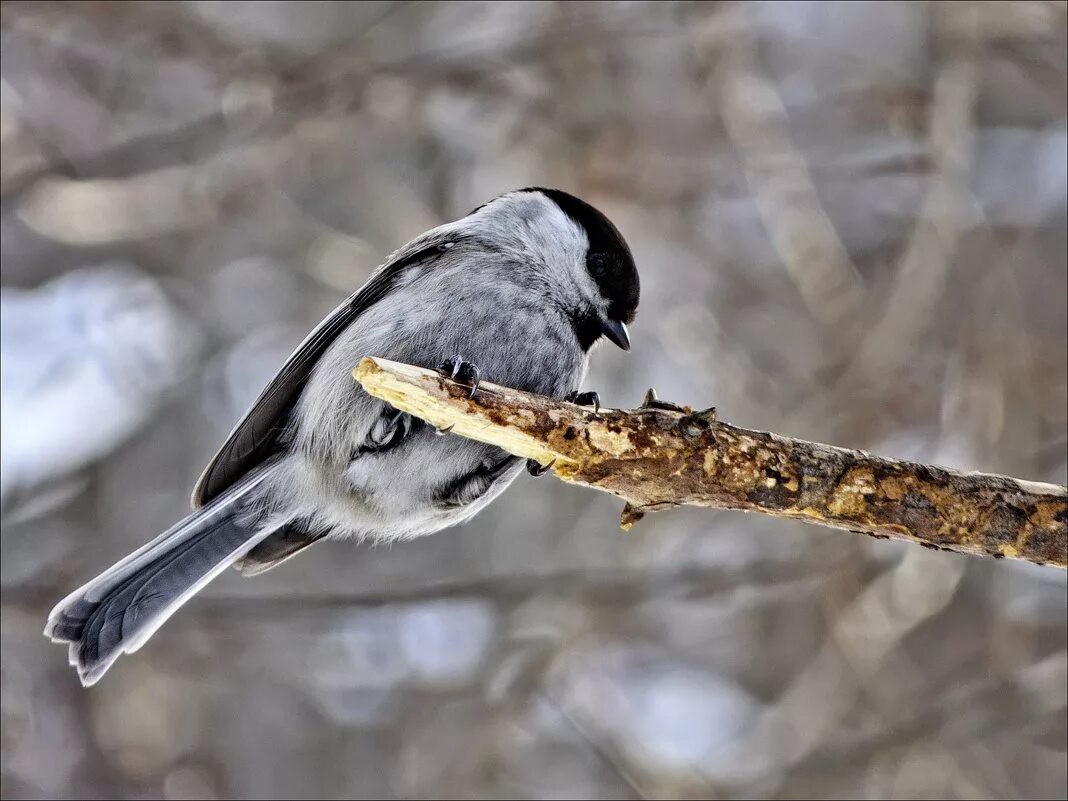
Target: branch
[(657, 458)]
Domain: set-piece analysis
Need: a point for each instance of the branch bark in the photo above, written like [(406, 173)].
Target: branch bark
[(658, 458)]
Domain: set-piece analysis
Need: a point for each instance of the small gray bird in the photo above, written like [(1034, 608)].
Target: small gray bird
[(522, 287)]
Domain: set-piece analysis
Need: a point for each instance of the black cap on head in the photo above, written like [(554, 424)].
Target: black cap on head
[(608, 260)]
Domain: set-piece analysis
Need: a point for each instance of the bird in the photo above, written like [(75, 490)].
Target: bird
[(518, 292)]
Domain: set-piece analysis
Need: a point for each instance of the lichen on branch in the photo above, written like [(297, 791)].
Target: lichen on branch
[(656, 458)]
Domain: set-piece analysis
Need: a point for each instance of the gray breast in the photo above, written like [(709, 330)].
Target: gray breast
[(503, 325)]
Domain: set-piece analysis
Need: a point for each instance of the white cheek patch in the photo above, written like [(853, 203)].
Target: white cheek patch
[(540, 230)]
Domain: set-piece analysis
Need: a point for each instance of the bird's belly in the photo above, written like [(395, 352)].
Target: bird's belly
[(396, 494)]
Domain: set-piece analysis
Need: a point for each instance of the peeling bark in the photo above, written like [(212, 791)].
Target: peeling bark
[(657, 458)]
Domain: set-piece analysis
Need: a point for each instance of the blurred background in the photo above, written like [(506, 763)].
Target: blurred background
[(850, 224)]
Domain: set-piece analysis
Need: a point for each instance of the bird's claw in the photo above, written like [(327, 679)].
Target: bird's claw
[(585, 399), (441, 432), (388, 431), (536, 469), (462, 372)]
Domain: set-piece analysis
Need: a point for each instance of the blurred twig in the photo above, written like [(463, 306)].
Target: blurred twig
[(330, 83), (593, 587), (606, 755), (657, 458), (929, 255), (806, 240), (979, 710)]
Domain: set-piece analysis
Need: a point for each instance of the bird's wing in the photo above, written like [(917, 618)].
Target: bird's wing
[(257, 436), (279, 547)]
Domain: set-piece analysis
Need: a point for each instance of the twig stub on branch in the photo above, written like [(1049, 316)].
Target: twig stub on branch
[(656, 458)]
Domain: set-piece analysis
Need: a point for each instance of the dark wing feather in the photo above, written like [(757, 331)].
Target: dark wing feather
[(256, 437), (279, 547)]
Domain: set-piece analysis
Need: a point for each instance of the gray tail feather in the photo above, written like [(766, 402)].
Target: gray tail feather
[(120, 609)]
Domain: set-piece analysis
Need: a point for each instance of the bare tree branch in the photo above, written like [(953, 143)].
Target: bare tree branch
[(657, 458)]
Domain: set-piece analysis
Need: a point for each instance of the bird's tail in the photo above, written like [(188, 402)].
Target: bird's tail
[(120, 609)]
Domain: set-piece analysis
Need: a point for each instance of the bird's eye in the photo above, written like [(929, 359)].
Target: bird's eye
[(597, 264)]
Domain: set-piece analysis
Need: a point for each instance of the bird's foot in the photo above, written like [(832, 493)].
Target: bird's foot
[(461, 372), (536, 468), (585, 399), (391, 427)]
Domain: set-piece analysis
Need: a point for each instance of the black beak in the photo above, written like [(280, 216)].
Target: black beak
[(617, 332)]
